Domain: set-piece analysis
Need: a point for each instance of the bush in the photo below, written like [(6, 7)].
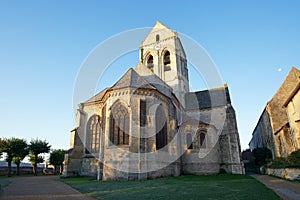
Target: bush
[(279, 163), (262, 155), (294, 158)]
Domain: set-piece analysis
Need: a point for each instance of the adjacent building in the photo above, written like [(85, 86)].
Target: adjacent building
[(279, 125)]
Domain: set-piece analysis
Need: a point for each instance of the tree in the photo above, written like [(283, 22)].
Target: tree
[(261, 155), (1, 147), (20, 152), (6, 147), (57, 159), (37, 147), (13, 147)]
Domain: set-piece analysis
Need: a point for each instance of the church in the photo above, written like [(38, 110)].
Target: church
[(150, 125)]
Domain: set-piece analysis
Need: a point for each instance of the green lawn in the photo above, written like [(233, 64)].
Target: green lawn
[(4, 182), (189, 187)]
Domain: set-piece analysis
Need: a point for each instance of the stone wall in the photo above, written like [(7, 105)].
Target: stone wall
[(293, 111), (287, 173), (262, 135)]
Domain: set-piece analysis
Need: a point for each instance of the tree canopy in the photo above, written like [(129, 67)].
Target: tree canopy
[(15, 149), (57, 158), (37, 147), (261, 155)]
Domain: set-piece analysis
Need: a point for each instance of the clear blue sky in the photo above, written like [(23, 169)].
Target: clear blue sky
[(43, 44)]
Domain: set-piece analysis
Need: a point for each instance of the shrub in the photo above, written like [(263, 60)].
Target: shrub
[(279, 163), (262, 155), (294, 158)]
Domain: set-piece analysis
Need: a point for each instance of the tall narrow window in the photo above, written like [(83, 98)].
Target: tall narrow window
[(143, 116), (157, 38), (119, 125), (103, 118), (150, 64), (93, 133), (202, 140), (167, 61), (189, 141), (161, 128)]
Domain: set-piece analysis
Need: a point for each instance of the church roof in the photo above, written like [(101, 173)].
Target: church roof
[(282, 96), (132, 79), (153, 79), (97, 97), (207, 98)]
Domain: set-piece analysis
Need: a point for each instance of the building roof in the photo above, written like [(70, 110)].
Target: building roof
[(276, 105), (154, 80), (207, 98), (97, 97), (132, 79)]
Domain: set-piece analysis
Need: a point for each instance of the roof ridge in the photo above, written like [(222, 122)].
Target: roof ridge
[(132, 79)]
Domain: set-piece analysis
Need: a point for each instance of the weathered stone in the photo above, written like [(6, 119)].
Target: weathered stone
[(278, 127), (287, 173), (152, 104)]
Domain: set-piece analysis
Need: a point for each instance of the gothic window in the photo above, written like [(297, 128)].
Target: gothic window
[(202, 140), (103, 117), (143, 116), (93, 133), (150, 63), (167, 61), (157, 38), (161, 128), (189, 141), (119, 125)]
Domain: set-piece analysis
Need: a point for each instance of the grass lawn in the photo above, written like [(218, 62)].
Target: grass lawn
[(4, 182), (189, 187)]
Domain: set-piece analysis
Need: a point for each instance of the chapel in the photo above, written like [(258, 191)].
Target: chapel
[(149, 124)]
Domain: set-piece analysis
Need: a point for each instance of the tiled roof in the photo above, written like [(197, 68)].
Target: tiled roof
[(132, 79), (207, 98), (97, 97)]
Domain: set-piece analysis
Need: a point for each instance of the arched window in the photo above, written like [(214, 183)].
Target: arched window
[(189, 141), (202, 140), (157, 38), (119, 125), (93, 133), (150, 63), (161, 128), (167, 61)]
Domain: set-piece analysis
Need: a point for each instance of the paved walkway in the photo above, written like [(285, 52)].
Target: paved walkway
[(287, 190), (39, 187)]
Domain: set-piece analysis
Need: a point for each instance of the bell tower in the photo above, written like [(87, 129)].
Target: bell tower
[(163, 54)]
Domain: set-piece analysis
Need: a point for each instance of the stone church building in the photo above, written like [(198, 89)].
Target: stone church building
[(149, 124)]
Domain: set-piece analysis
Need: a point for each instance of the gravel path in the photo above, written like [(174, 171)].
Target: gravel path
[(287, 190), (40, 187)]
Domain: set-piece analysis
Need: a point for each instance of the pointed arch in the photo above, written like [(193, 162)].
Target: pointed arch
[(93, 133), (161, 128), (119, 124)]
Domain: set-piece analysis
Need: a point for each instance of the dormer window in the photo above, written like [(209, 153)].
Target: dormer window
[(150, 63), (167, 61), (157, 38)]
